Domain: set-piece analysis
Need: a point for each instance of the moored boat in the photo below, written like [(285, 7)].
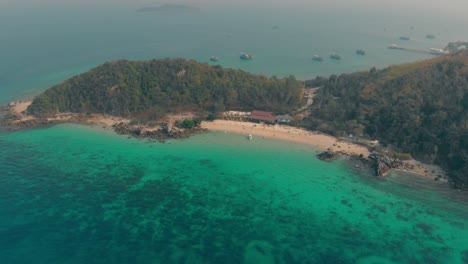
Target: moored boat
[(246, 56), (360, 52), (404, 38), (317, 58), (395, 46), (335, 56), (214, 58)]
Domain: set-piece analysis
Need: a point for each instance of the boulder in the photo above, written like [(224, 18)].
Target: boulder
[(383, 163), (327, 155)]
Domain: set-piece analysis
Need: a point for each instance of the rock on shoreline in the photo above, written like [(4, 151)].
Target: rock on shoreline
[(159, 134), (380, 164), (327, 155), (383, 164), (10, 120)]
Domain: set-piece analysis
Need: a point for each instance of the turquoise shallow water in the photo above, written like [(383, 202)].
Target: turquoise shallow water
[(74, 194)]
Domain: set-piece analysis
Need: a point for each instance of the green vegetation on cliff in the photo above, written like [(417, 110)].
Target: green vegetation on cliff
[(147, 90), (419, 108)]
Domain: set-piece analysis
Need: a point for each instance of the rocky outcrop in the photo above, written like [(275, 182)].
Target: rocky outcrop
[(382, 164), (159, 134), (3, 113), (327, 155)]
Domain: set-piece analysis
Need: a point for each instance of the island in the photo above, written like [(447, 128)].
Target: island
[(410, 117), (416, 110), (168, 96), (169, 8)]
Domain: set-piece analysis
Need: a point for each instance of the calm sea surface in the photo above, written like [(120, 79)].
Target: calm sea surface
[(40, 47), (75, 194)]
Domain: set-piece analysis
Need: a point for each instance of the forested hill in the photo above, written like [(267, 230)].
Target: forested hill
[(149, 89), (419, 108)]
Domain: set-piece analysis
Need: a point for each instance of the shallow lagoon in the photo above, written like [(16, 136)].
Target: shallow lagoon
[(74, 194)]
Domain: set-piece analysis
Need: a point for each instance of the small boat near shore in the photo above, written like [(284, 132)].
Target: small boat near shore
[(246, 56), (335, 56), (360, 52), (317, 58), (395, 46), (404, 38), (249, 137), (214, 58)]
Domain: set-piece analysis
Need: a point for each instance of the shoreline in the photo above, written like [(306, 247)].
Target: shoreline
[(287, 133), (321, 141), (279, 132)]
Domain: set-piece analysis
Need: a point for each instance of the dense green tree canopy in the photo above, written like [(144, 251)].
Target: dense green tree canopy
[(150, 88), (420, 108)]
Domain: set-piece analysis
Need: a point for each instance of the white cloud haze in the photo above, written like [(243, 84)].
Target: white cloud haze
[(448, 7)]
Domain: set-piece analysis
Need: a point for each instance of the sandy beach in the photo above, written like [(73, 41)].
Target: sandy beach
[(94, 119), (279, 132), (287, 133), (316, 139)]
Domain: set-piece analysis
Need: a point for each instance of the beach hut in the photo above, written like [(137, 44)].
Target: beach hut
[(262, 116)]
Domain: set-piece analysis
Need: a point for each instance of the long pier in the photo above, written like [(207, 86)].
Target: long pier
[(423, 51)]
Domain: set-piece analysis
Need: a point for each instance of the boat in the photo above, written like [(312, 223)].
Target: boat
[(435, 51), (246, 56), (360, 52), (249, 137), (404, 38), (317, 58), (430, 36), (335, 56), (395, 46), (214, 58)]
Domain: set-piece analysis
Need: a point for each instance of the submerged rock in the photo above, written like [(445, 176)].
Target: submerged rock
[(327, 155), (259, 252)]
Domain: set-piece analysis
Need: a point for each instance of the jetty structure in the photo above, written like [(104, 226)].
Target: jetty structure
[(435, 51), (432, 51)]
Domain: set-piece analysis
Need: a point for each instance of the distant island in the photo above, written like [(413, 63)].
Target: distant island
[(169, 8), (411, 110)]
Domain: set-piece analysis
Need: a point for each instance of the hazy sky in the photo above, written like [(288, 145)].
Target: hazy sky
[(457, 7)]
